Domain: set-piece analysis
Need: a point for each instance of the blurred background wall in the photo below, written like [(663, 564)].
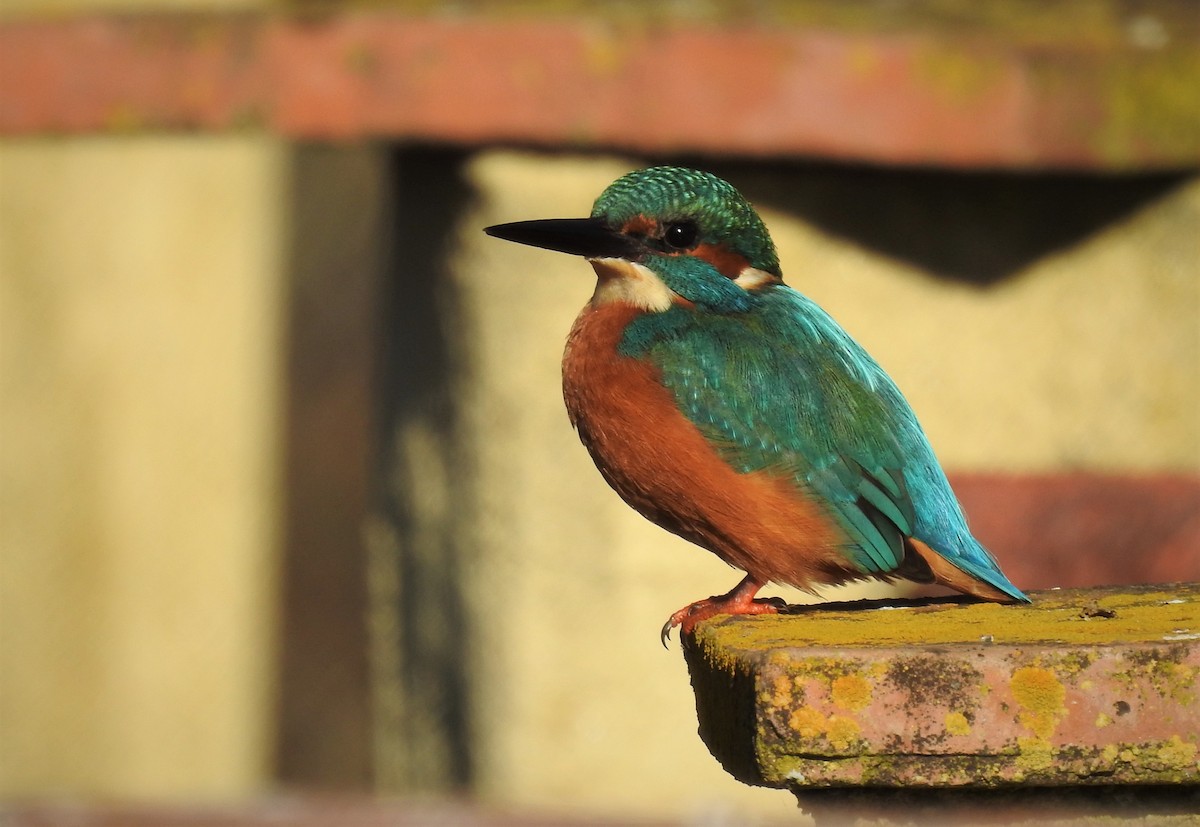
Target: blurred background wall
[(288, 499), (140, 316)]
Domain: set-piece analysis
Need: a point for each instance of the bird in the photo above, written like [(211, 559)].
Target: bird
[(731, 410)]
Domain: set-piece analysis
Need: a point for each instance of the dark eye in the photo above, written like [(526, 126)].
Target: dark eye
[(680, 235)]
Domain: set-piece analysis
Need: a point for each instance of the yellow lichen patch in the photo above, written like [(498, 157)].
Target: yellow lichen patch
[(1163, 102), (807, 722), (839, 729), (960, 77), (1069, 664), (1040, 696), (605, 56), (957, 724), (781, 695), (1139, 616), (1174, 680), (1035, 755), (842, 731), (851, 692), (1102, 721), (1162, 668), (1110, 753), (1178, 753), (864, 60)]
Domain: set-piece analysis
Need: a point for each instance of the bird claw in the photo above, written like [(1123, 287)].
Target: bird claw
[(691, 614), (665, 634), (680, 618)]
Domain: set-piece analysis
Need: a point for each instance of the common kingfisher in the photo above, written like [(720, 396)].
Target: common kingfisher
[(731, 410)]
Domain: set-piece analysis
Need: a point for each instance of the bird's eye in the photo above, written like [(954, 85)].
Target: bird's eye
[(680, 235)]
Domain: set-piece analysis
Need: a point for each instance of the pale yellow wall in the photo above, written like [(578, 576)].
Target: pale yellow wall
[(1090, 359), (140, 290), (140, 285)]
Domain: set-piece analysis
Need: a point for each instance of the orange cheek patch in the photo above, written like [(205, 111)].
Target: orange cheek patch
[(640, 225), (728, 263)]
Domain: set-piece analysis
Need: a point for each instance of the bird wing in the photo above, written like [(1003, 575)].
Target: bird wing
[(785, 390)]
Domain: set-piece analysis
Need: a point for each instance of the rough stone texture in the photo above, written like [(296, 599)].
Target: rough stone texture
[(1088, 686)]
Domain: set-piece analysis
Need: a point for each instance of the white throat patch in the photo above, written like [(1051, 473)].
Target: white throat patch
[(619, 280)]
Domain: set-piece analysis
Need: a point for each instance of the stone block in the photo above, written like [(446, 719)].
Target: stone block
[(1083, 687)]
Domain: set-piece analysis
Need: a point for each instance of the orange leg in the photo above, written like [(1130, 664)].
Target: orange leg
[(739, 601)]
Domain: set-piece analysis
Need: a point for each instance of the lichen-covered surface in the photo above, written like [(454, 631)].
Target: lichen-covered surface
[(1087, 686)]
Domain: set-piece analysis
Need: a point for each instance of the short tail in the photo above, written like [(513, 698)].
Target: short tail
[(967, 576)]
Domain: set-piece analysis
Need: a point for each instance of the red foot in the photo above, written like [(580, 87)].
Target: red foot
[(739, 601)]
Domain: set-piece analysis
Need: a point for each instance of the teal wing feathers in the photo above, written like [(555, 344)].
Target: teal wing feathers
[(784, 389)]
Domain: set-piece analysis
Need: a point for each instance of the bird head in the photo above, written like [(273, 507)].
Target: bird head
[(663, 236)]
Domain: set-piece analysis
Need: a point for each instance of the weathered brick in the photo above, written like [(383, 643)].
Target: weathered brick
[(1087, 686), (981, 88)]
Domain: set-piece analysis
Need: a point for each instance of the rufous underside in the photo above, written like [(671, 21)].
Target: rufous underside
[(662, 466)]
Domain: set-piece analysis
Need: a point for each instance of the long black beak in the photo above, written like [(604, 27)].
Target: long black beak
[(589, 237)]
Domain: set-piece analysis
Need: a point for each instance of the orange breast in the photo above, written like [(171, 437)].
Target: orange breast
[(660, 464)]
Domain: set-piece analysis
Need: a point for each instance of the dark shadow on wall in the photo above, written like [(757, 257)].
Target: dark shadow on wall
[(373, 688), (422, 487), (973, 227)]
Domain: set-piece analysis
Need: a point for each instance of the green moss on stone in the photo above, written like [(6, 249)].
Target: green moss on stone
[(1141, 615)]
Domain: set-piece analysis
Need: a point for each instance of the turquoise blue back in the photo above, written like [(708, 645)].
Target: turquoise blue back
[(778, 386)]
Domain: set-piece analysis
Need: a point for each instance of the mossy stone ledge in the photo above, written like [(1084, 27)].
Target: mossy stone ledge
[(1083, 687)]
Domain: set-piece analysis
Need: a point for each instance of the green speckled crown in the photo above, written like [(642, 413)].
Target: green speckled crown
[(675, 193)]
